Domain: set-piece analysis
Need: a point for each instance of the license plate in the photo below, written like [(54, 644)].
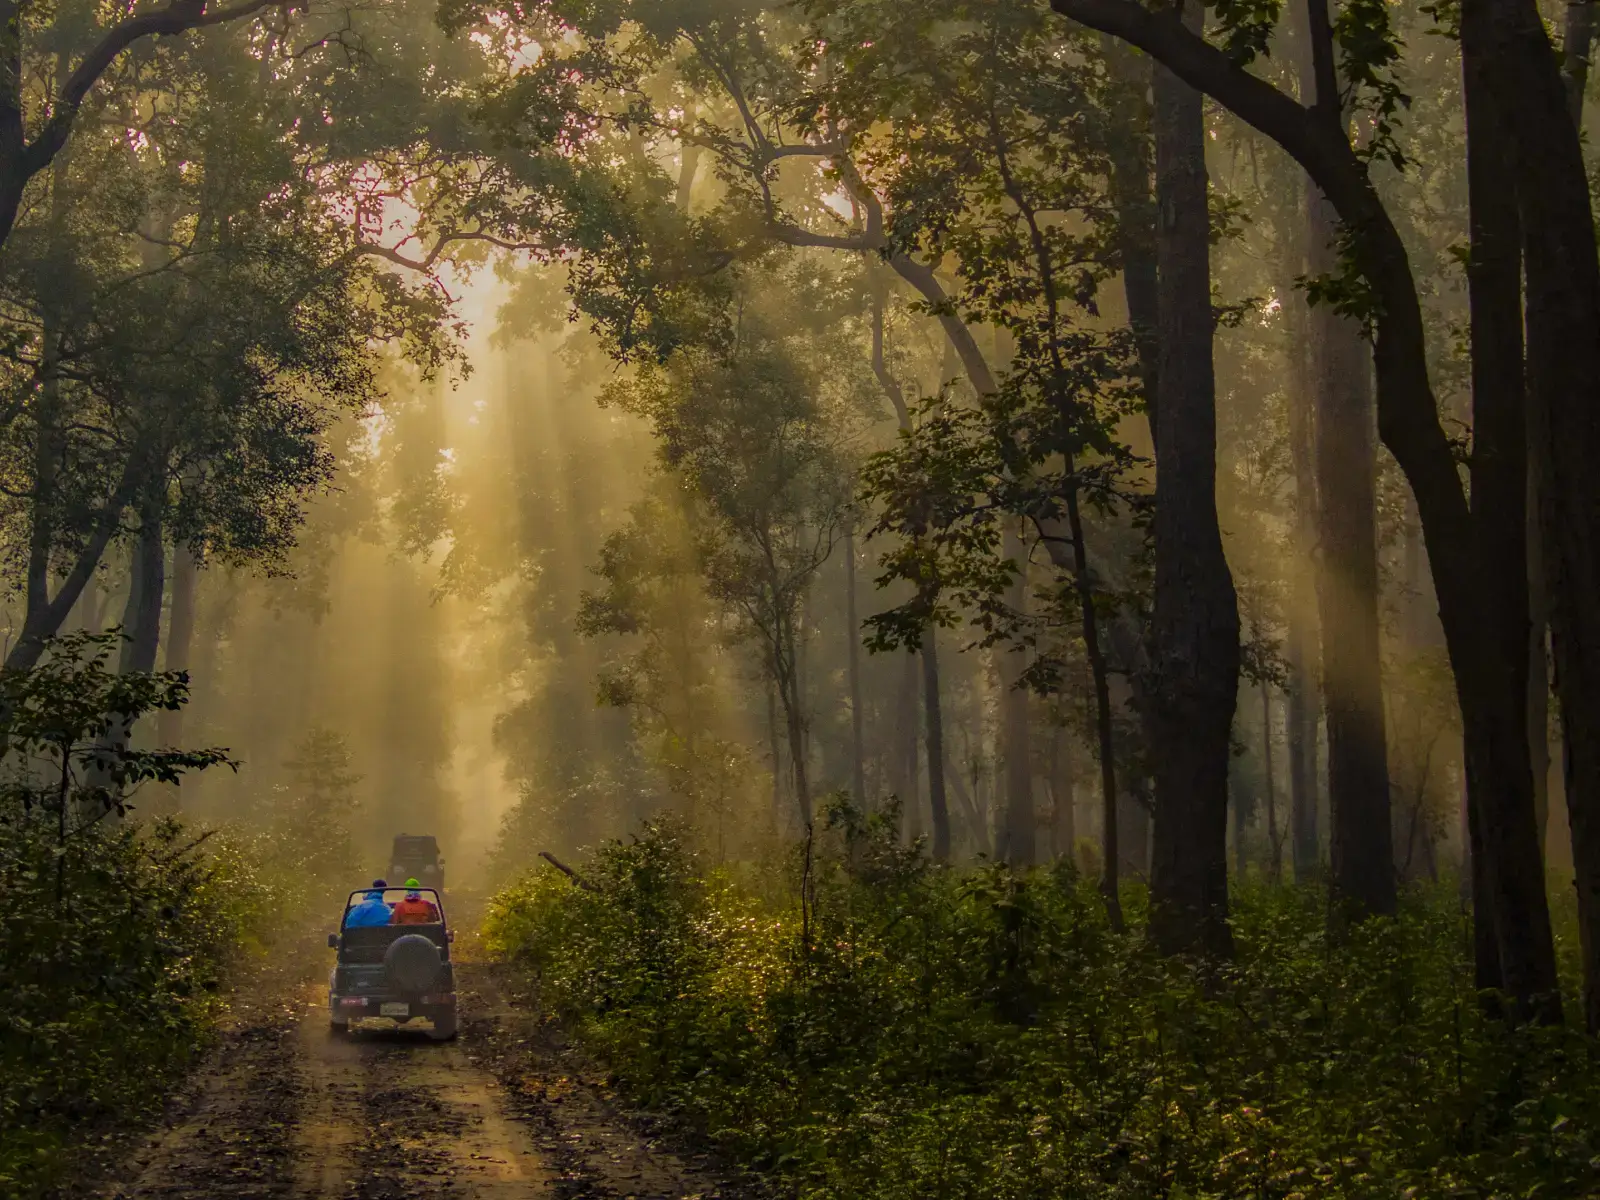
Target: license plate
[(394, 1010)]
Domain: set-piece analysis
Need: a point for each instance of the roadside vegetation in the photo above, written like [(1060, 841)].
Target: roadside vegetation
[(883, 1027), (119, 936)]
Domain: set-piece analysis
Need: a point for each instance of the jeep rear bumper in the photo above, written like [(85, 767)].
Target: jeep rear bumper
[(372, 1007)]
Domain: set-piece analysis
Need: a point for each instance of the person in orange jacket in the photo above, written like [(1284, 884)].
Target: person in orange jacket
[(414, 910)]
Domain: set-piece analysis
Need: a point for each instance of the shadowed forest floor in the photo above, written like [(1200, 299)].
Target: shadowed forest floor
[(283, 1108)]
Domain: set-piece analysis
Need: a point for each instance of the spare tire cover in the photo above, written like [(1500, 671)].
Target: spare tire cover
[(412, 962)]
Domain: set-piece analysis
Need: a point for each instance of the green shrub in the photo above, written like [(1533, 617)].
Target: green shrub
[(111, 953), (911, 1032), (114, 935)]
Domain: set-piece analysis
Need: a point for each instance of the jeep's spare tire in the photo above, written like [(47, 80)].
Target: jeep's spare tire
[(412, 962)]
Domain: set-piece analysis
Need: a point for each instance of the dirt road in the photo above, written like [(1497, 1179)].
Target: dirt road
[(286, 1109)]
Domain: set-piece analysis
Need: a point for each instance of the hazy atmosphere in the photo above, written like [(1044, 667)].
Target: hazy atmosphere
[(837, 599)]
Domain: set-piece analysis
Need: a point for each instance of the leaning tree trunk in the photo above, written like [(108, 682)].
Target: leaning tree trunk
[(1195, 626)]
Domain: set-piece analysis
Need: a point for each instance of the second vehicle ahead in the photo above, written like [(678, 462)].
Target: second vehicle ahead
[(416, 856)]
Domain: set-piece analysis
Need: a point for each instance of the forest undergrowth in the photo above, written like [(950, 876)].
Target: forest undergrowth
[(864, 1024), (121, 930)]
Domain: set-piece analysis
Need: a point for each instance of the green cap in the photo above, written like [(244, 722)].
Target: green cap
[(412, 883)]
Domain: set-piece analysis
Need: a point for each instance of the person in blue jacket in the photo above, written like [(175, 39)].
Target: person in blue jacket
[(371, 911)]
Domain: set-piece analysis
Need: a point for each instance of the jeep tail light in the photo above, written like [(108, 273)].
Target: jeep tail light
[(352, 1002)]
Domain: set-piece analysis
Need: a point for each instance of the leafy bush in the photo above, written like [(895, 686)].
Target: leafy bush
[(894, 1030), (111, 953), (114, 935)]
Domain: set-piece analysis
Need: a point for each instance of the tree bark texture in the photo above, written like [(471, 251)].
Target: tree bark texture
[(1195, 628), (1303, 693), (141, 617), (1019, 826), (1522, 81), (1063, 806), (938, 805), (858, 747), (180, 635), (1269, 771), (1361, 841)]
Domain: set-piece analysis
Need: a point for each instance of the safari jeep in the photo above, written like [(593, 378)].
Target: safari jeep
[(399, 973)]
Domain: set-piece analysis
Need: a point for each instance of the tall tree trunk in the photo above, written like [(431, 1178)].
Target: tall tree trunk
[(1359, 811), (1576, 48), (858, 748), (910, 747), (141, 618), (1019, 825), (1063, 806), (1304, 694), (1195, 627), (141, 632), (1360, 822), (775, 756), (180, 636), (1134, 197), (792, 698), (1527, 140), (938, 806), (1274, 838)]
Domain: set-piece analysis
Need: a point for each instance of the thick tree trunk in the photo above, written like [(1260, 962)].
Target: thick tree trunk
[(141, 618), (141, 632), (1509, 870), (858, 748), (1522, 81), (1019, 826), (938, 806), (1195, 628), (180, 635), (1360, 822)]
